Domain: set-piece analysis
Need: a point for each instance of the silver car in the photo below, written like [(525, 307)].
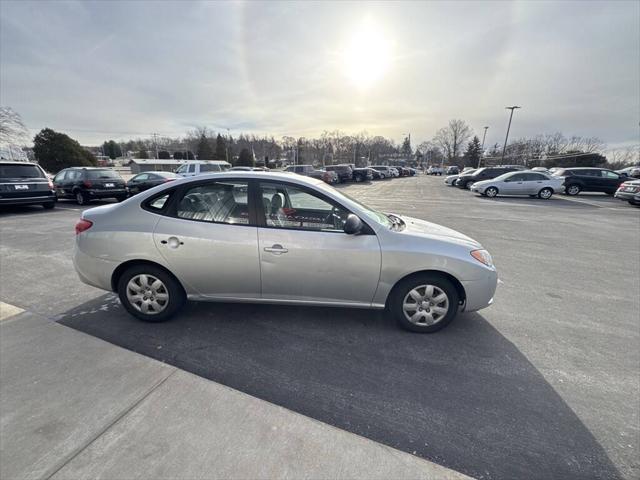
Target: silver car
[(278, 238), (534, 184)]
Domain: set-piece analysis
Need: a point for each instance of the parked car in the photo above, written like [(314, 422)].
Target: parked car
[(629, 191), (375, 174), (344, 172), (435, 170), (247, 169), (412, 171), (586, 179), (404, 171), (385, 172), (451, 180), (633, 172), (198, 167), (541, 170), (485, 173), (278, 238), (394, 171), (362, 174), (146, 180), (453, 170), (89, 183), (309, 171), (534, 184), (25, 183)]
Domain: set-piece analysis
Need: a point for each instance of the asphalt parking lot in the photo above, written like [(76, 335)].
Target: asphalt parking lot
[(543, 384)]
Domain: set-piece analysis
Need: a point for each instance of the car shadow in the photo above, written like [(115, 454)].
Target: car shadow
[(465, 398)]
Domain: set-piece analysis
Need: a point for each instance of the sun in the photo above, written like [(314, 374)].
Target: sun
[(367, 56)]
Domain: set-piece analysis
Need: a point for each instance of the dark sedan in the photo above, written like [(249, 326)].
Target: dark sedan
[(145, 181)]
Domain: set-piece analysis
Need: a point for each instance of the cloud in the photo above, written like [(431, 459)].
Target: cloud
[(123, 69)]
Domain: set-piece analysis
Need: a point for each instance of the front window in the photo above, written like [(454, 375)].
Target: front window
[(206, 167), (192, 168), (377, 216), (216, 202), (287, 206)]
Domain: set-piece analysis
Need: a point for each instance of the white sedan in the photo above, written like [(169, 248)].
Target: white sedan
[(534, 184)]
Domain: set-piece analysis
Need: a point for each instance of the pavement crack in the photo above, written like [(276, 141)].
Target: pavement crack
[(104, 430)]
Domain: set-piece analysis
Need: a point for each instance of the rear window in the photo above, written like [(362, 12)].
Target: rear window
[(209, 168), (99, 174), (20, 171)]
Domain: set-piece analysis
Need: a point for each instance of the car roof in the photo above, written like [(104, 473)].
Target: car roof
[(261, 175), (14, 162)]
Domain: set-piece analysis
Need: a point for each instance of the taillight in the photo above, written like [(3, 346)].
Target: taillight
[(169, 180), (50, 184), (87, 183), (83, 225)]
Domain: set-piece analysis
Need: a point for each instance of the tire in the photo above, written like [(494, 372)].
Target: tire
[(81, 198), (49, 206), (175, 295), (441, 285), (358, 179), (545, 193), (382, 177), (468, 185), (572, 190), (491, 192)]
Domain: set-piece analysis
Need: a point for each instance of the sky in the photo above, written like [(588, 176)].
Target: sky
[(125, 69)]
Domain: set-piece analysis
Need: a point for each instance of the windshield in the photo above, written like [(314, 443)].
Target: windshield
[(20, 171), (379, 217), (102, 174)]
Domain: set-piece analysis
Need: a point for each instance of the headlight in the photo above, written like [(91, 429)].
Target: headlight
[(483, 257)]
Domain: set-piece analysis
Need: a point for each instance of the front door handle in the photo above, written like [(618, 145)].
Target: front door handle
[(276, 249)]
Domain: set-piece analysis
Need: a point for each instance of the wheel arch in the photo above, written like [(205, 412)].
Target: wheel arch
[(462, 294), (120, 269)]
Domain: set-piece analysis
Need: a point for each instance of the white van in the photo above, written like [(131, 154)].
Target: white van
[(197, 167)]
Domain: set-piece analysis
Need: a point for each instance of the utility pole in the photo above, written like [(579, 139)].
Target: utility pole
[(155, 143), (482, 148), (508, 128), (227, 144)]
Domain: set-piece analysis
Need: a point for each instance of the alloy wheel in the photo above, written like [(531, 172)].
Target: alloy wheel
[(147, 294), (491, 192), (425, 305)]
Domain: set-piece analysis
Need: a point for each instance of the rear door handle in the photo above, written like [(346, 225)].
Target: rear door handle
[(276, 249)]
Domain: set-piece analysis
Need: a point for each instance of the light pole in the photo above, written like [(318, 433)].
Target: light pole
[(508, 128), (482, 148)]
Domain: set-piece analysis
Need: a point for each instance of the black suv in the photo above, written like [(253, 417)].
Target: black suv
[(586, 179), (344, 172), (486, 173), (88, 183), (25, 183)]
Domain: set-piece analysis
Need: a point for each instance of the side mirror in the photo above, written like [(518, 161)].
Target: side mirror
[(353, 225)]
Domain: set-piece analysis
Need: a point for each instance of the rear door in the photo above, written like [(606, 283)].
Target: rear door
[(210, 241), (305, 255)]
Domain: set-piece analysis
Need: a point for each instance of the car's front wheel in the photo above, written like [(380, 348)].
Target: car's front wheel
[(149, 293), (572, 190), (491, 192), (424, 303)]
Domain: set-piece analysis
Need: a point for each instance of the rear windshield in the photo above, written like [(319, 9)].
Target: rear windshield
[(98, 174), (20, 171)]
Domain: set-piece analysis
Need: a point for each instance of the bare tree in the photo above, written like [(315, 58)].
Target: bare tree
[(451, 138), (12, 129)]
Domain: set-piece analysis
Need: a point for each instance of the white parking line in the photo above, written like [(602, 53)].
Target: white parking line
[(7, 311)]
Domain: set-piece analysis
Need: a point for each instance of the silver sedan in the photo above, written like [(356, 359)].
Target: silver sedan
[(277, 238), (534, 184)]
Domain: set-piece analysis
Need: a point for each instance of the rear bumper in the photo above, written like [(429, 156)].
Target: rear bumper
[(36, 199), (107, 193), (93, 271)]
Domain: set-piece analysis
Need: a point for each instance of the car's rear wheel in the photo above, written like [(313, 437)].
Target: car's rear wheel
[(545, 193), (424, 303), (573, 189), (81, 198), (149, 293), (491, 192), (49, 206)]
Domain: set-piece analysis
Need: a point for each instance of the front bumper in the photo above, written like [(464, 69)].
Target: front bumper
[(477, 188), (480, 293), (628, 196)]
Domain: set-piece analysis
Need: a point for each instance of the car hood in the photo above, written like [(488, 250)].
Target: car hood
[(482, 183), (417, 227)]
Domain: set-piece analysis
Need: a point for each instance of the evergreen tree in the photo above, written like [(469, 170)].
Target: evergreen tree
[(164, 155), (221, 148), (55, 151), (406, 146), (204, 151), (245, 159), (474, 152)]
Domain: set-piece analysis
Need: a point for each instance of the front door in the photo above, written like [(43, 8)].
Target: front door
[(210, 242), (304, 253)]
